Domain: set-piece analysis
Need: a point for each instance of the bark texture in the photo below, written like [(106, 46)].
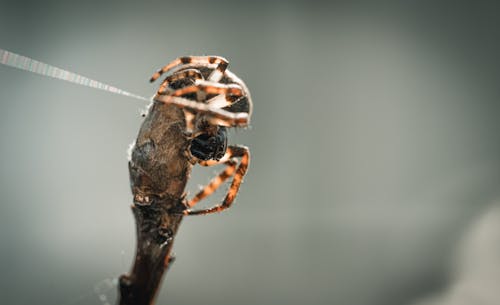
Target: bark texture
[(159, 171)]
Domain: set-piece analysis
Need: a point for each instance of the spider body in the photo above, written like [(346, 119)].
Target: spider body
[(187, 125)]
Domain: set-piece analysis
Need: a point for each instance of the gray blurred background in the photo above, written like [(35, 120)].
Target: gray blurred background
[(375, 152)]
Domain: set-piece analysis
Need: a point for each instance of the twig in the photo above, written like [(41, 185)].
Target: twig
[(159, 170), (155, 233)]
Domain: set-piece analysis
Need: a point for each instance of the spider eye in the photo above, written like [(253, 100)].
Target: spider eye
[(206, 147)]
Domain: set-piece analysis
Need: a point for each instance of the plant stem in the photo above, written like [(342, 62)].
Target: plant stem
[(156, 229)]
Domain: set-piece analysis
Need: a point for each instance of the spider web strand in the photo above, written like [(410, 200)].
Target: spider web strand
[(28, 64)]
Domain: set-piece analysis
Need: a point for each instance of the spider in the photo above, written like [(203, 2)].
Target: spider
[(195, 104)]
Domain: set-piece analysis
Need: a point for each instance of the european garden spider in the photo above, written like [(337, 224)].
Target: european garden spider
[(212, 99)]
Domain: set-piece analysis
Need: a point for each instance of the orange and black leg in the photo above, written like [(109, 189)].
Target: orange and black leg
[(232, 153), (219, 63), (203, 88), (193, 74), (215, 183), (215, 115), (210, 88)]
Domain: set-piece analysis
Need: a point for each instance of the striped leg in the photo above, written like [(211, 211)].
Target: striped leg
[(191, 73), (202, 88), (210, 88), (220, 116), (217, 62), (215, 183), (232, 152)]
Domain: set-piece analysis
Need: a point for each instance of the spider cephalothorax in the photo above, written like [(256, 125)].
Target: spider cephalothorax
[(212, 99)]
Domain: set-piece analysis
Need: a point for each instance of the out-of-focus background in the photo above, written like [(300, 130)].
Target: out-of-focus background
[(375, 175)]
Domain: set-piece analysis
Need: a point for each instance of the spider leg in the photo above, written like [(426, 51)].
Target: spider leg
[(219, 62), (225, 117), (210, 88), (232, 153), (219, 101), (226, 104), (191, 73), (215, 183), (226, 95), (215, 114)]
